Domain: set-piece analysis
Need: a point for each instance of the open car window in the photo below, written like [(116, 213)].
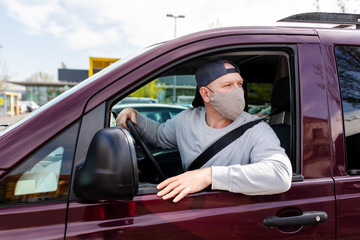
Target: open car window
[(267, 78)]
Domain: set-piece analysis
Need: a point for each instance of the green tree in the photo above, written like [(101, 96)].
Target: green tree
[(150, 90), (259, 93)]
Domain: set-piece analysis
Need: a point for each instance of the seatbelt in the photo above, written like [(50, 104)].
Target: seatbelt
[(221, 143)]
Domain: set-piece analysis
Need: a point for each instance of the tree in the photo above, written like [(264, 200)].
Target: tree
[(342, 5), (259, 93), (40, 77), (348, 60), (4, 77), (317, 5), (150, 90), (216, 24)]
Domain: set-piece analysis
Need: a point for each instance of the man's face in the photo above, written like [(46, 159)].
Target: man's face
[(226, 83)]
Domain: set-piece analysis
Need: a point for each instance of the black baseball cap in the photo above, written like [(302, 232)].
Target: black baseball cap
[(208, 73)]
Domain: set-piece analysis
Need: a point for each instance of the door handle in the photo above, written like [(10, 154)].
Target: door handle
[(307, 218)]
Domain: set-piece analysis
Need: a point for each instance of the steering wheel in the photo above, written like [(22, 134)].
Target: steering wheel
[(140, 140)]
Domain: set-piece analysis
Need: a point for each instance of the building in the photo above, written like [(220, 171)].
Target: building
[(176, 89)]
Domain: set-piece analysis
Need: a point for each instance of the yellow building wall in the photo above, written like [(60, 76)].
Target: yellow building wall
[(100, 63)]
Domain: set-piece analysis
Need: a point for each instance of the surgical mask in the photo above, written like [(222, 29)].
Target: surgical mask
[(230, 105)]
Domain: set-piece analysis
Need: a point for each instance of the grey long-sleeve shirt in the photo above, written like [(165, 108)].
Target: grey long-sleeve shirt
[(254, 164)]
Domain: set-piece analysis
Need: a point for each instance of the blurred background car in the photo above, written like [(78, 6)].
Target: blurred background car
[(259, 110), (28, 106), (157, 112), (138, 100)]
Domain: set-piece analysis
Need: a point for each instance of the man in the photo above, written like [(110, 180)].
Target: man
[(253, 164)]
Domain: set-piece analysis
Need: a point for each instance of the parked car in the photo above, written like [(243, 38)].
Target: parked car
[(28, 106), (138, 100), (65, 173), (260, 110), (157, 112)]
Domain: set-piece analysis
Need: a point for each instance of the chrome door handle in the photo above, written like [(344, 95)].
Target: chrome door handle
[(307, 218)]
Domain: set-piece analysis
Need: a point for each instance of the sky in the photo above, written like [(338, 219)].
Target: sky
[(42, 35)]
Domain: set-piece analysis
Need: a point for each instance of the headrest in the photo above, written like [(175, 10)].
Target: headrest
[(280, 96)]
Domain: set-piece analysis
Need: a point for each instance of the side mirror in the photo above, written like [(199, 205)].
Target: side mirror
[(110, 168)]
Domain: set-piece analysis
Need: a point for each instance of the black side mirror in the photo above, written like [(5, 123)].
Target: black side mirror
[(110, 168)]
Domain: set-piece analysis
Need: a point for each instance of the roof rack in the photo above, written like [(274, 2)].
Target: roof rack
[(344, 19)]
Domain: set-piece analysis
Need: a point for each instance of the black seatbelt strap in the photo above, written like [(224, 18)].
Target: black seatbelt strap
[(220, 144)]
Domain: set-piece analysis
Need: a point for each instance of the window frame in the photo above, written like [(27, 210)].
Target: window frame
[(348, 169), (290, 49)]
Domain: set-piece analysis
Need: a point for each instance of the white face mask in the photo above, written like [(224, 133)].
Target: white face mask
[(230, 105)]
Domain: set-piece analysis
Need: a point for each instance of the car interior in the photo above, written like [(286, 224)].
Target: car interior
[(267, 78)]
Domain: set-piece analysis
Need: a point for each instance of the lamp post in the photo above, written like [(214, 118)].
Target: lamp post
[(174, 83), (175, 17)]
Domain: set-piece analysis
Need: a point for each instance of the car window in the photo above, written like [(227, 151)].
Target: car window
[(156, 116), (173, 113), (267, 95), (348, 67), (45, 175)]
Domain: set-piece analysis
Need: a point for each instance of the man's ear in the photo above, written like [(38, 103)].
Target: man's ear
[(205, 94)]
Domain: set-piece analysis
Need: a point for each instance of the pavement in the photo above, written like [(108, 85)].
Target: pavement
[(11, 120)]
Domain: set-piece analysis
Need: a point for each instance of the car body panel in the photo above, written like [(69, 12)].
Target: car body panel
[(43, 221), (347, 188), (315, 126), (205, 215)]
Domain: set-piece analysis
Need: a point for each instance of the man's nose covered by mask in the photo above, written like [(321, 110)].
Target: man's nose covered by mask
[(231, 104)]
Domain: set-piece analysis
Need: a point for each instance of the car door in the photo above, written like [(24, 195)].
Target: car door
[(34, 195), (346, 135), (306, 211)]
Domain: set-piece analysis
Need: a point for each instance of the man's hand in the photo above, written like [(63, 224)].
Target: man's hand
[(127, 113), (184, 184)]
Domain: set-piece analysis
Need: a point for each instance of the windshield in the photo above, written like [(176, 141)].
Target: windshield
[(78, 86)]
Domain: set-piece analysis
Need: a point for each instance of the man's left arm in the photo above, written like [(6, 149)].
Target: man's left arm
[(269, 171), (181, 185)]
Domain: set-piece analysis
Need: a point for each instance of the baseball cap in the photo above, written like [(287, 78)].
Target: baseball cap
[(208, 73)]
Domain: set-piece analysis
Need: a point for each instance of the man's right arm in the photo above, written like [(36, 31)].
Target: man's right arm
[(125, 114), (159, 135)]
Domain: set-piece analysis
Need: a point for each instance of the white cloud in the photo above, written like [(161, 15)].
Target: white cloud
[(52, 31), (143, 22), (77, 29), (31, 15), (94, 25)]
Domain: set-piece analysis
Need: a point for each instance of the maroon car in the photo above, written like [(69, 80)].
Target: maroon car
[(66, 173)]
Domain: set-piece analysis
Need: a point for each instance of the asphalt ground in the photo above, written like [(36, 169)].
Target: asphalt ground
[(11, 120)]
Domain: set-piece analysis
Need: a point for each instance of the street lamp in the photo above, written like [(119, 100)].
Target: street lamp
[(175, 17), (174, 82)]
